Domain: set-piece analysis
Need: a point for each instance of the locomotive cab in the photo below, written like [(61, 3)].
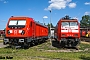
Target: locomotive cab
[(67, 32), (18, 30), (70, 32), (24, 31)]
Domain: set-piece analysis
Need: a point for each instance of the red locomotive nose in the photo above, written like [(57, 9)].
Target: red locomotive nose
[(67, 30), (24, 31)]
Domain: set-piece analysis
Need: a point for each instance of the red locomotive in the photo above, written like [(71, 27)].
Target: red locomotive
[(85, 31), (67, 32), (24, 31)]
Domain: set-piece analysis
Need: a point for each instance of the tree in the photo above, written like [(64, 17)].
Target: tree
[(49, 26), (52, 25), (85, 21)]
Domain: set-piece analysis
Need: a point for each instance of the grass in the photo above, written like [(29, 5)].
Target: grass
[(1, 39), (40, 52), (84, 46)]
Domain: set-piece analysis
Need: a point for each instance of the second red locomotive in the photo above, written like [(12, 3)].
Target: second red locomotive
[(24, 31), (67, 32), (85, 31)]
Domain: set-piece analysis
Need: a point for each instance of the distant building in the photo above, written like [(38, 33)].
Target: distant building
[(52, 32), (2, 32)]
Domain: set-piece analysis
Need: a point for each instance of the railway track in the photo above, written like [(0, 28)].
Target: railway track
[(82, 39), (85, 39)]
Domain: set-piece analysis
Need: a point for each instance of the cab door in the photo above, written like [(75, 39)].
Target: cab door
[(33, 29)]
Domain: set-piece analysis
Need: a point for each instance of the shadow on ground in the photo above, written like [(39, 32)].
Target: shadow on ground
[(83, 57), (57, 45), (24, 47)]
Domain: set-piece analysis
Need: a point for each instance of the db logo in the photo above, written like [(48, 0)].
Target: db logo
[(15, 31), (70, 30)]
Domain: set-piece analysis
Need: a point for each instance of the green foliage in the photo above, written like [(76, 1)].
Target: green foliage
[(49, 26), (84, 57), (85, 21), (84, 46)]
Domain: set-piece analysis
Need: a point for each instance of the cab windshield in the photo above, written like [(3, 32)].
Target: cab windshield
[(68, 24), (17, 23)]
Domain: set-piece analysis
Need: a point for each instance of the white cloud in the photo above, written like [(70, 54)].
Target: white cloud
[(87, 13), (72, 5), (5, 2), (59, 4), (87, 3), (45, 17)]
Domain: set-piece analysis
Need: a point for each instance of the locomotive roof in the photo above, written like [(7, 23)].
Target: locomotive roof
[(37, 22), (68, 20), (20, 17), (24, 17)]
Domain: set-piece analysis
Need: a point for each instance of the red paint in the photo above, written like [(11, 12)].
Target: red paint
[(31, 29), (60, 34)]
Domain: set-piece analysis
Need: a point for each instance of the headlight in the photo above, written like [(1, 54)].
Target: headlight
[(20, 31), (9, 31), (23, 32), (63, 35)]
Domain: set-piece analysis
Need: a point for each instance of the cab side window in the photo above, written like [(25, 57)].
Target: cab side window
[(31, 24)]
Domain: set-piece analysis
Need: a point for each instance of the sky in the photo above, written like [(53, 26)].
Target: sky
[(39, 10)]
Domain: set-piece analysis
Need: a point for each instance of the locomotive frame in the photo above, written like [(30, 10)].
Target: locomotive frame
[(26, 32), (67, 36)]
